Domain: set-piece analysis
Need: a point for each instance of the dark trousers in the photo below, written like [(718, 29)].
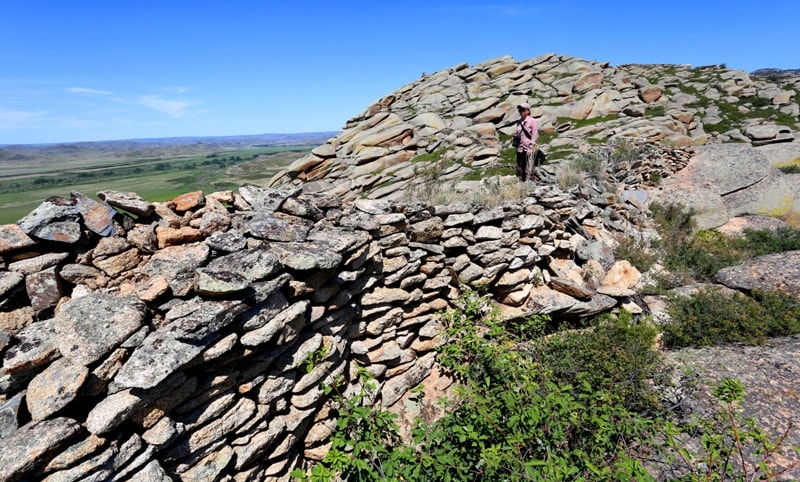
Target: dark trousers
[(526, 170)]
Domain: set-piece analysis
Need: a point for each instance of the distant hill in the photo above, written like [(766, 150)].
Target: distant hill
[(776, 73), (157, 147)]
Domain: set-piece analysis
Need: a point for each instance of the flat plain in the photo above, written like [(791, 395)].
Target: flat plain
[(156, 172)]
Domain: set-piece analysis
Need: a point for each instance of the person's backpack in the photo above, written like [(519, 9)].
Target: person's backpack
[(538, 158)]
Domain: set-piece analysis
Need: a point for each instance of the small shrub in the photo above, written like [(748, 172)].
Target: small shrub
[(729, 446), (567, 176), (761, 101), (616, 355), (636, 252), (590, 163), (710, 318), (761, 242)]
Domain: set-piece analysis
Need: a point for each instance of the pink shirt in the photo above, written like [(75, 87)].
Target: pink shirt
[(532, 127)]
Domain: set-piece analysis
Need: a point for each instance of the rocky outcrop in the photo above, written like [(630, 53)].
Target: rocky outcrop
[(193, 339), (456, 123), (774, 272), (151, 347), (725, 181)]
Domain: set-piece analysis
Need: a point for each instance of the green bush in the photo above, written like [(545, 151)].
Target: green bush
[(616, 355), (710, 318), (534, 409), (700, 255)]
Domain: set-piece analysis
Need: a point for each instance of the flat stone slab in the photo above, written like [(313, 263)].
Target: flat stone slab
[(32, 444), (91, 326), (773, 272)]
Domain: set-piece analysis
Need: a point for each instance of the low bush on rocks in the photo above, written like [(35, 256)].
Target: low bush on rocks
[(709, 318), (520, 414), (698, 256)]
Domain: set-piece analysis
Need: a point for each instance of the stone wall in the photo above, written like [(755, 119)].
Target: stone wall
[(189, 340)]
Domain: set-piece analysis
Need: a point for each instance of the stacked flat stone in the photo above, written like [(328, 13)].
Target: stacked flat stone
[(458, 117), (192, 339)]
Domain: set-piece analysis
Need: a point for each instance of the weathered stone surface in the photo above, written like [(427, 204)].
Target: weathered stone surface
[(115, 265), (13, 237), (340, 240), (37, 345), (622, 274), (252, 264), (32, 444), (9, 416), (384, 295), (151, 472), (168, 236), (91, 326), (216, 429), (209, 466), (188, 330), (571, 288), (229, 241), (212, 282), (598, 304), (143, 236), (293, 315), (188, 201), (82, 274), (56, 386), (315, 255), (773, 272), (37, 263), (127, 201), (397, 386), (266, 199), (178, 264), (98, 217), (426, 231), (276, 228), (53, 220), (9, 281), (81, 450)]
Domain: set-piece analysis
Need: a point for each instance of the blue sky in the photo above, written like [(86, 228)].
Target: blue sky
[(86, 70)]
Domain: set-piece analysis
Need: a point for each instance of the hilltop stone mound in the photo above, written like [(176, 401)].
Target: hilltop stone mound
[(190, 339), (456, 123)]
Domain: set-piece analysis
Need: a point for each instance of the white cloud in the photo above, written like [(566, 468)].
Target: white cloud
[(87, 91), (175, 108), (19, 116)]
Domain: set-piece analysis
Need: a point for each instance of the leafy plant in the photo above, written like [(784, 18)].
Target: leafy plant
[(710, 318), (537, 409), (731, 447)]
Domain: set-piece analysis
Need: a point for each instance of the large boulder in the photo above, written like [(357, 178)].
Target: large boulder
[(773, 272)]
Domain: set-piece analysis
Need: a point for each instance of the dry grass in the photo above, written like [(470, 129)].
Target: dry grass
[(487, 192)]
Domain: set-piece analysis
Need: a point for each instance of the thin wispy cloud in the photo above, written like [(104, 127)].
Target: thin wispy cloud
[(87, 91), (19, 116), (174, 108)]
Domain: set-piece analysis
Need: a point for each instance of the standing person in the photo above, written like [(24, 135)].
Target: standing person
[(525, 141)]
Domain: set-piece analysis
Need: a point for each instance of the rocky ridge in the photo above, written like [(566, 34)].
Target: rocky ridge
[(187, 340), (459, 120)]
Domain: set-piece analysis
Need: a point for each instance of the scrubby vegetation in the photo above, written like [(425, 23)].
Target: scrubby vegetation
[(710, 318), (577, 405), (699, 255), (594, 401)]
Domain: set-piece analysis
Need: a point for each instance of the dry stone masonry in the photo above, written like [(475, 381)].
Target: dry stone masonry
[(191, 340)]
